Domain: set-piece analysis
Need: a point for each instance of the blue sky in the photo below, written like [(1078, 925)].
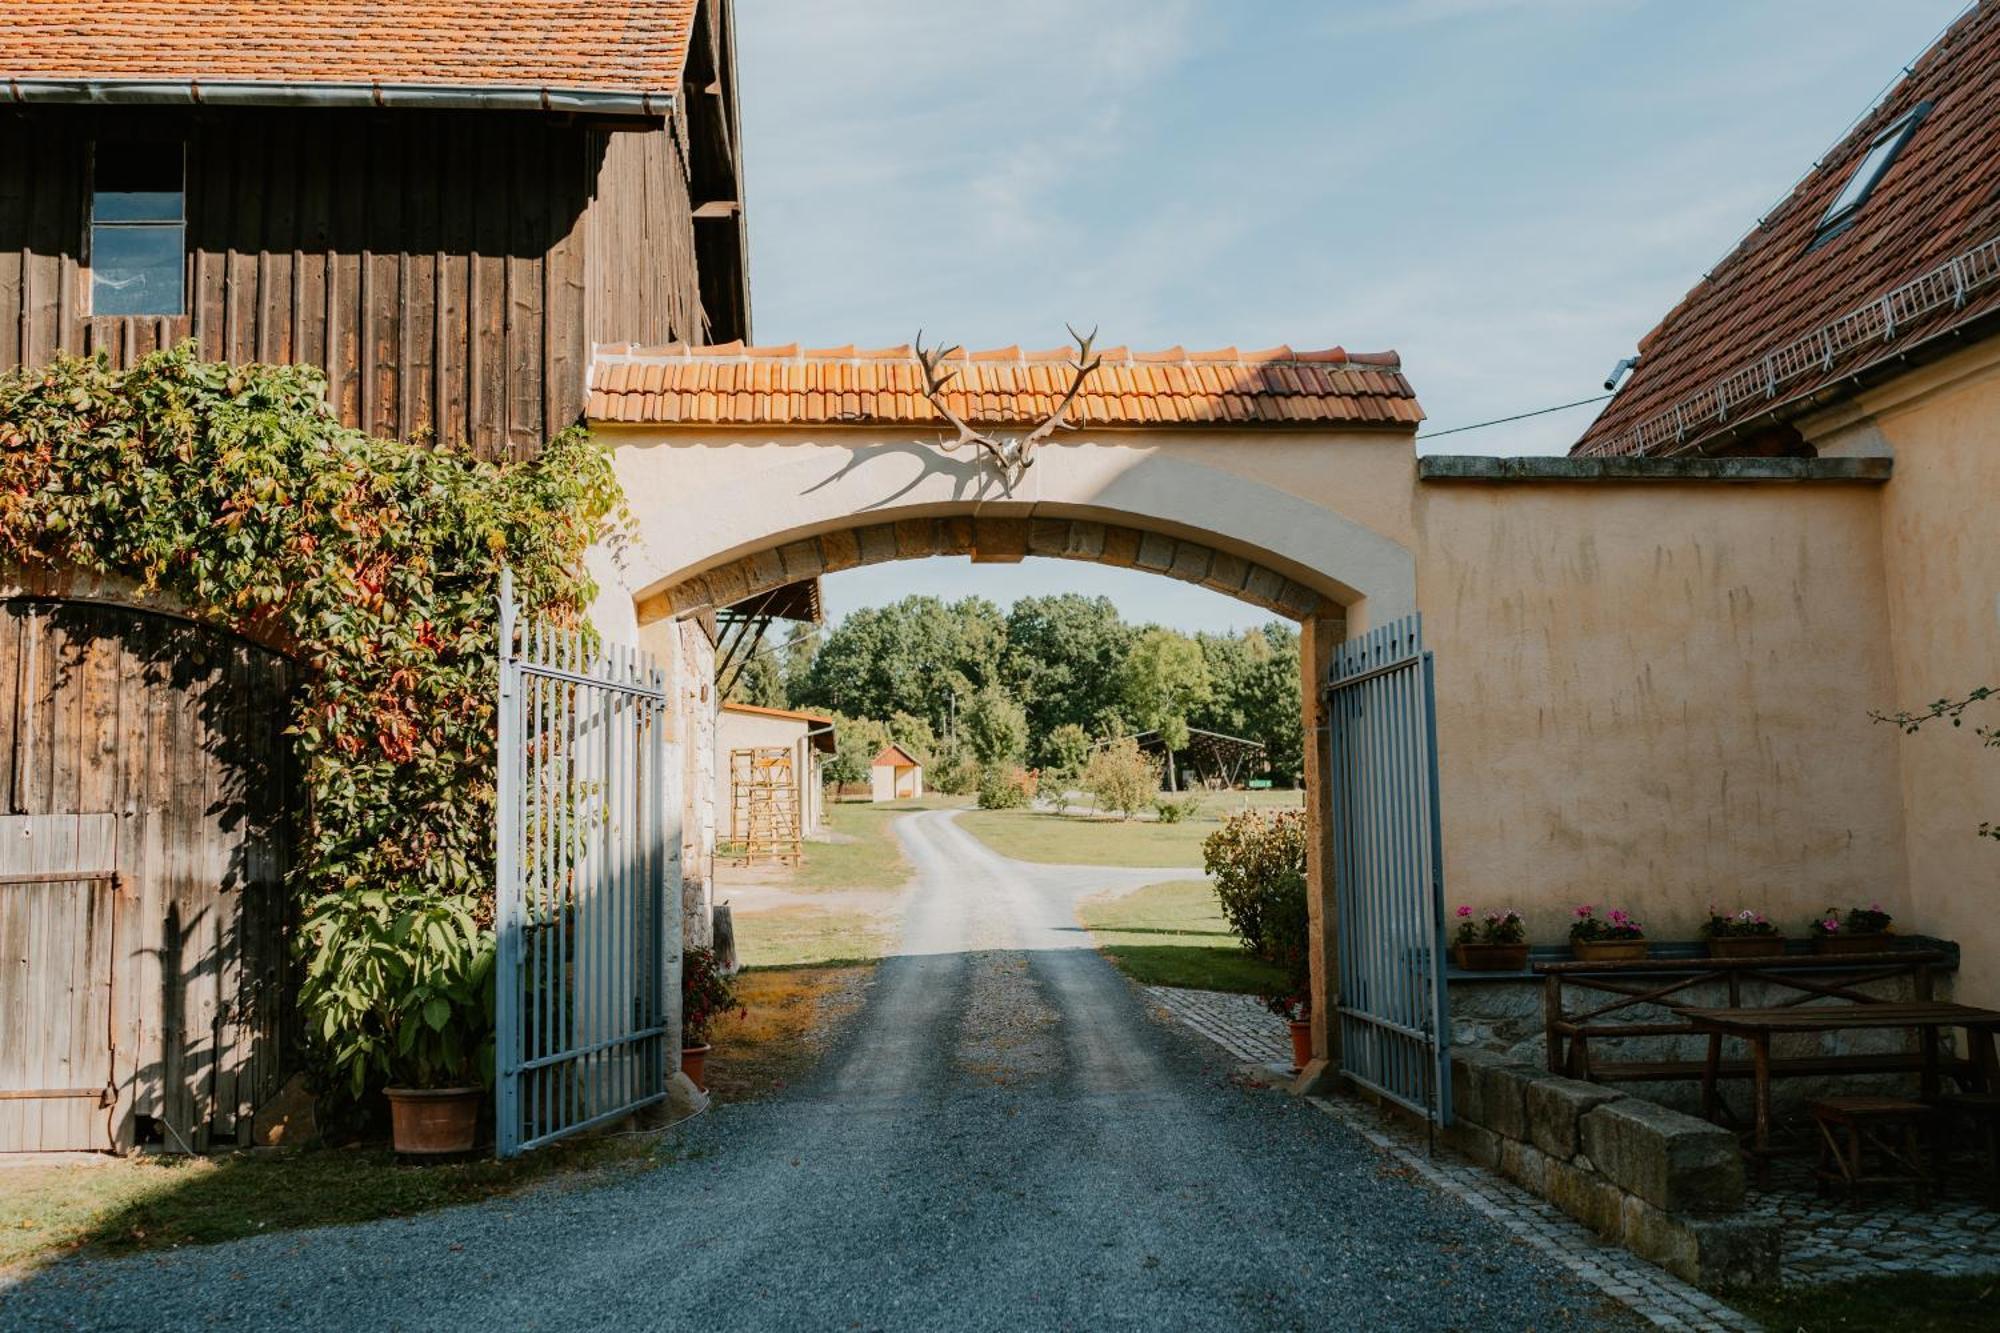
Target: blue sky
[(1508, 192)]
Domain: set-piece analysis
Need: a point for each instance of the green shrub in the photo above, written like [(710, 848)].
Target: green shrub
[(1005, 787), (1121, 777), (1258, 863), (1173, 810)]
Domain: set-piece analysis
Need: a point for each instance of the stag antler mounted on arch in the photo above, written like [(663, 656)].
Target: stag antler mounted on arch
[(1011, 457)]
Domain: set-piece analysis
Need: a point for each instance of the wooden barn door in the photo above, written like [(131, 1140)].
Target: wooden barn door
[(146, 801)]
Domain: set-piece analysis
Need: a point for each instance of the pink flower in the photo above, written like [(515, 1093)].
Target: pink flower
[(1585, 910), (1831, 925), (1874, 907), (1465, 910)]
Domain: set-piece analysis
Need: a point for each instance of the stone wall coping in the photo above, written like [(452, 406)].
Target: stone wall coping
[(1554, 468)]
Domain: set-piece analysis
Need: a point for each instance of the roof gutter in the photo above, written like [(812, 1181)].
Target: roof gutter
[(195, 92)]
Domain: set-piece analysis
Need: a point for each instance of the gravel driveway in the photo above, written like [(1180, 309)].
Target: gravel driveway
[(1004, 1138)]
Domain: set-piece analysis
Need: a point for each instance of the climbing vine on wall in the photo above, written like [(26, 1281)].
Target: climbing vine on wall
[(374, 563)]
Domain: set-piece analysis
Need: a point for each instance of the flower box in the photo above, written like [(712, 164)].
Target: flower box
[(1746, 946), (1490, 957), (1607, 951), (1879, 942)]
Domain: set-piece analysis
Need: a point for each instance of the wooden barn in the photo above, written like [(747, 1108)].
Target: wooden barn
[(446, 217)]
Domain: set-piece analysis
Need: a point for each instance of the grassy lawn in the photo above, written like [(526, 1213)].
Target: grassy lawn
[(153, 1203), (838, 905), (156, 1203), (1098, 840), (863, 852), (1174, 935), (1906, 1302)]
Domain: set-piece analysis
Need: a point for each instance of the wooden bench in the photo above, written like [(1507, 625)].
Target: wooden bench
[(1665, 983)]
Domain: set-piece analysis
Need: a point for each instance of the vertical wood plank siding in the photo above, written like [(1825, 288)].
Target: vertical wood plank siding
[(145, 745), (447, 270)]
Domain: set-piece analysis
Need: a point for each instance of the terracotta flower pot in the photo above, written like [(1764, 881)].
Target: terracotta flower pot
[(1746, 946), (1302, 1042), (1876, 943), (694, 1063), (1607, 951), (430, 1122), (1490, 957)]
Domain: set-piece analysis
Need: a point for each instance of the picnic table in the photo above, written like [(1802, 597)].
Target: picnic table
[(1928, 1018)]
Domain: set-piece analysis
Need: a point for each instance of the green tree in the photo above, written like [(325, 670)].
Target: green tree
[(1063, 656), (919, 655), (1164, 679), (1067, 750), (1255, 695), (994, 727)]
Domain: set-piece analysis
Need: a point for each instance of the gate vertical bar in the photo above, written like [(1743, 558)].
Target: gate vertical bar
[(507, 907)]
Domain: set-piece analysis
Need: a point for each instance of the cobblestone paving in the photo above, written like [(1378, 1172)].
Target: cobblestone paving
[(1240, 1025), (1831, 1238)]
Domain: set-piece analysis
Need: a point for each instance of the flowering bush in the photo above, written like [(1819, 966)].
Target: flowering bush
[(1743, 924), (1615, 924), (1504, 927), (1869, 920), (706, 995)]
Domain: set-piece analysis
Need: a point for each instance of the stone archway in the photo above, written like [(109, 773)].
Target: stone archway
[(746, 469), (990, 541)]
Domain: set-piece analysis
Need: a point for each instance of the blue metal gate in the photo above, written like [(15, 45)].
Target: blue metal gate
[(1388, 875), (587, 912)]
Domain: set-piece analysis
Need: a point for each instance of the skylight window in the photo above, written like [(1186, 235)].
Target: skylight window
[(1841, 212)]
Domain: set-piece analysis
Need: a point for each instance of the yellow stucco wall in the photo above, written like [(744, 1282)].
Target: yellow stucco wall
[(1655, 696), (1941, 564), (1652, 694)]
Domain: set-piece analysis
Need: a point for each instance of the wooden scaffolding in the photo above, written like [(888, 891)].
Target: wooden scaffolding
[(764, 807)]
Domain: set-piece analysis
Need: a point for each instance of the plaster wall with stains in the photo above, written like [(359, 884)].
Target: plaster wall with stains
[(1940, 526)]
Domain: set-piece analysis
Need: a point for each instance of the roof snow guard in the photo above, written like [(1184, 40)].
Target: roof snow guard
[(1881, 256), (733, 385), (616, 57), (1948, 286)]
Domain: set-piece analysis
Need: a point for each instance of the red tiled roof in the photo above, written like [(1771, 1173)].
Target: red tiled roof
[(1748, 337), (789, 714), (607, 46), (730, 384), (895, 756)]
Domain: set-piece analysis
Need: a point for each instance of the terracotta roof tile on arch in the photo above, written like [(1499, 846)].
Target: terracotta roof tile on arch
[(601, 46), (730, 384)]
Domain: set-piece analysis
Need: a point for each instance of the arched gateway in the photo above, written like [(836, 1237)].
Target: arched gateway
[(1278, 477)]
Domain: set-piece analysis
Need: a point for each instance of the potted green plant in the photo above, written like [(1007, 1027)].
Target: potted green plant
[(1497, 942), (1746, 934), (1857, 930), (1614, 937), (439, 1030), (707, 993)]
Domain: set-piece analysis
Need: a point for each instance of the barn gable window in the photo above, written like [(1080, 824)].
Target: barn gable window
[(138, 228)]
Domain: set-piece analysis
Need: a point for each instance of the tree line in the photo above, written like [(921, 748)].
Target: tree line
[(967, 687)]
